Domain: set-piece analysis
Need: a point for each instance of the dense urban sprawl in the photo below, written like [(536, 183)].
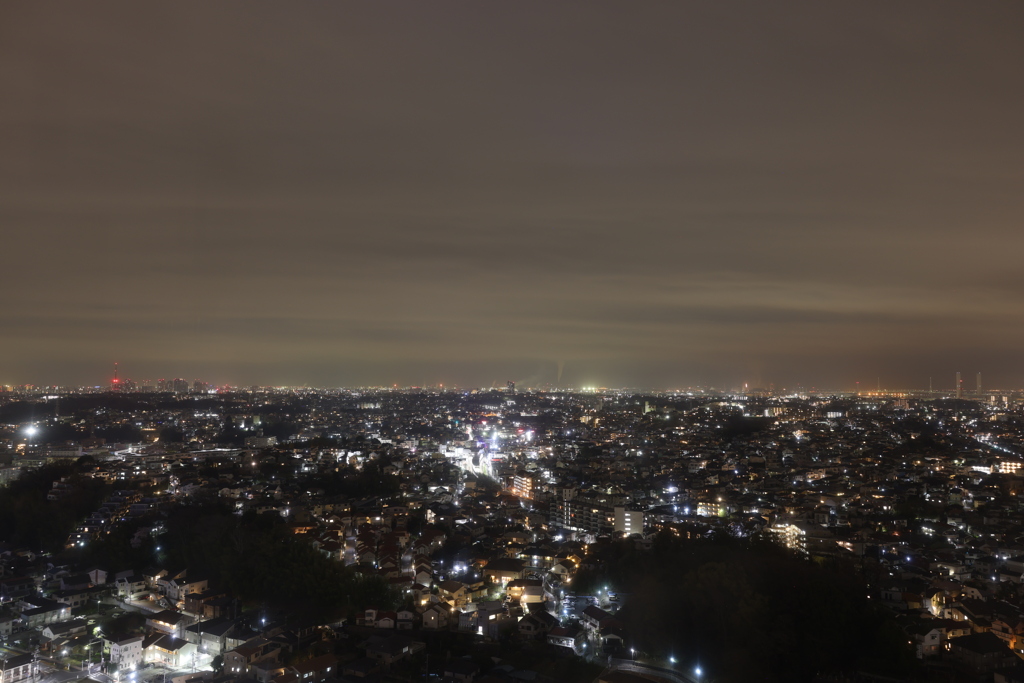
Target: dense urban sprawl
[(184, 532)]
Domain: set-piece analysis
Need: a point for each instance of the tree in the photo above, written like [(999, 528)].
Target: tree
[(703, 593)]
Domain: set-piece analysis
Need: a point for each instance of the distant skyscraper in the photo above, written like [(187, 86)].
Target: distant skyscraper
[(959, 386), (510, 387), (978, 387)]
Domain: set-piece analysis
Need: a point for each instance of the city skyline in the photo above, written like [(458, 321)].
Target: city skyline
[(585, 193), (119, 382)]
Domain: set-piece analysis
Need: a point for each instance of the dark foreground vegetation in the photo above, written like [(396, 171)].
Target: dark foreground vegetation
[(748, 610)]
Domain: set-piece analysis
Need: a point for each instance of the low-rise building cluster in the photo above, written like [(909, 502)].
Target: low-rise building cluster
[(479, 508)]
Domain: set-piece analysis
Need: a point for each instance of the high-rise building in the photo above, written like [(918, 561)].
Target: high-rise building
[(629, 520), (510, 387), (959, 386), (978, 386), (115, 383)]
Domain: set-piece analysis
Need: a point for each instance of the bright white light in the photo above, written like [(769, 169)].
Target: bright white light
[(31, 431), (697, 671)]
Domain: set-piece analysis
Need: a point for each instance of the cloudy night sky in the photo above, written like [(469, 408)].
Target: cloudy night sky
[(638, 193)]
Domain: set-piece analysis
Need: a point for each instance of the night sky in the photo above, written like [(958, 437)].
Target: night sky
[(643, 194)]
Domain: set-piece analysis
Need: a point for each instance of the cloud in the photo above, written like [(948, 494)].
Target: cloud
[(683, 193)]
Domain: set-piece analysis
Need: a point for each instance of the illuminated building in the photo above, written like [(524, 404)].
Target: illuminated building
[(583, 514), (522, 485), (790, 535), (629, 521)]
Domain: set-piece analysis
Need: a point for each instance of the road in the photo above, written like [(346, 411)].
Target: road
[(140, 606), (648, 669), (58, 676)]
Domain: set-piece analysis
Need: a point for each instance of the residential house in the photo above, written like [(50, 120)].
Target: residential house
[(75, 597), (571, 637), (316, 670), (927, 636), (537, 623), (503, 570), (453, 592), (594, 618), (436, 617), (212, 637), (130, 586), (207, 603), (170, 651), (97, 576), (982, 653), (65, 629), (406, 619), (178, 587), (75, 582), (239, 660), (7, 622), (269, 670), (484, 618), (169, 622), (37, 611), (388, 650), (516, 588), (18, 668), (15, 587), (125, 653)]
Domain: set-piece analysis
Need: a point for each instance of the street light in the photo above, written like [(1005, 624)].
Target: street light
[(698, 672)]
